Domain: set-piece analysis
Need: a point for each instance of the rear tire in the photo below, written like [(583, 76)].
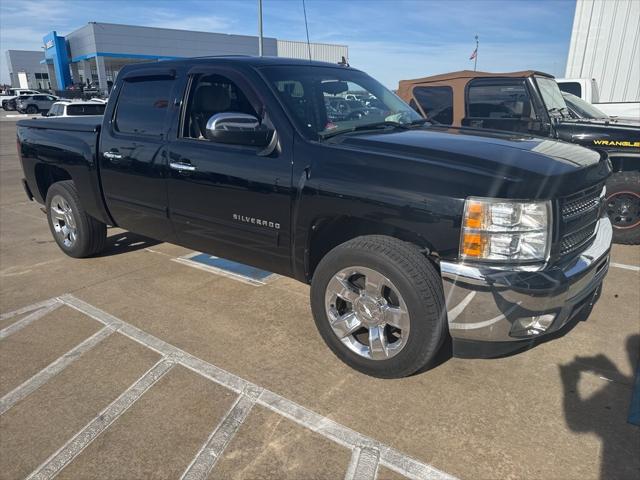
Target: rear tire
[(31, 109), (623, 206), (411, 281), (78, 234)]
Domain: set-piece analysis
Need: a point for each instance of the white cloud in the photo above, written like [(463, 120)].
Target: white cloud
[(203, 23)]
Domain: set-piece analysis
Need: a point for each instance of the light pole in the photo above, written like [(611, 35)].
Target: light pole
[(260, 28)]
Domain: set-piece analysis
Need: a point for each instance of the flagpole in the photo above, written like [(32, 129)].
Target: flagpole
[(475, 60), (260, 39)]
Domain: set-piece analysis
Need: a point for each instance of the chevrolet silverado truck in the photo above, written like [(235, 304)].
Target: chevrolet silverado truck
[(409, 234), (531, 102)]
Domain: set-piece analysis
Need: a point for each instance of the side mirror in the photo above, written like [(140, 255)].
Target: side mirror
[(238, 129)]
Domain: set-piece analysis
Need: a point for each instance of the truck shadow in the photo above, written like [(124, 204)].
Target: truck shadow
[(125, 242), (600, 405)]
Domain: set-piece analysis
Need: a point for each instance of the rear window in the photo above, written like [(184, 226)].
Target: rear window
[(85, 109), (574, 88), (142, 105), (436, 102)]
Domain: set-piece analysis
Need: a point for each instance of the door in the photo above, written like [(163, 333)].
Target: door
[(225, 199), (133, 165)]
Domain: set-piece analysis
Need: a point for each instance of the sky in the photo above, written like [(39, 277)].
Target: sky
[(389, 39)]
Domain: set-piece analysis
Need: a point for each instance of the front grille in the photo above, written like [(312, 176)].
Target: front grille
[(580, 206), (579, 216), (575, 240)]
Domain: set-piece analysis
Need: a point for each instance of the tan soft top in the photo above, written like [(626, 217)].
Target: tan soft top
[(457, 81), (471, 74)]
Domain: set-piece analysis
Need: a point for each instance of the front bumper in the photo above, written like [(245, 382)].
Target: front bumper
[(488, 308)]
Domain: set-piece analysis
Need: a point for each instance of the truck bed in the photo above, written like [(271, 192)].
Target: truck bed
[(54, 149), (87, 123)]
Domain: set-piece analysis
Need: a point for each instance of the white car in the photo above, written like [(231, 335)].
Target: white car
[(13, 93), (74, 109)]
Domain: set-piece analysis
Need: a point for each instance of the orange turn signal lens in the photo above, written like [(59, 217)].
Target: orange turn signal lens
[(473, 244), (474, 217)]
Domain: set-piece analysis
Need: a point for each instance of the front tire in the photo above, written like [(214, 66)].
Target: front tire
[(623, 206), (77, 234), (378, 303), (31, 109)]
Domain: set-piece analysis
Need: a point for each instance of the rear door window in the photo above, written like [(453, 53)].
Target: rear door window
[(436, 102), (142, 105), (573, 88), (502, 99)]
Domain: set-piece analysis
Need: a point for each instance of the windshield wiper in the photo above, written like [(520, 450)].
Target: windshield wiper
[(420, 121), (559, 110), (366, 126)]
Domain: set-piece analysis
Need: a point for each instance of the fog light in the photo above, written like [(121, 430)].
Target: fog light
[(529, 326)]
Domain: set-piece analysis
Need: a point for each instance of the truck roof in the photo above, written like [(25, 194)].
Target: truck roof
[(468, 74), (249, 60)]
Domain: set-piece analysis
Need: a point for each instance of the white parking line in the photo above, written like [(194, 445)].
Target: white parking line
[(70, 450), (29, 308), (32, 317), (54, 368), (371, 452), (215, 445), (363, 465), (625, 266), (186, 260), (389, 457)]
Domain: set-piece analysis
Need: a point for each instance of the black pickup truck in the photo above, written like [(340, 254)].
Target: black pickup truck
[(408, 233)]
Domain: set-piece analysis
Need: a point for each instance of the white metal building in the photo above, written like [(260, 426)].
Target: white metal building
[(26, 71), (605, 46)]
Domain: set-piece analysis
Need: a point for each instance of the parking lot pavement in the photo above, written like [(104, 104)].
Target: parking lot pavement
[(12, 116), (134, 365)]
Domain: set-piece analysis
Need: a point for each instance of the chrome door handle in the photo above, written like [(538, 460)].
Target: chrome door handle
[(182, 167), (112, 155)]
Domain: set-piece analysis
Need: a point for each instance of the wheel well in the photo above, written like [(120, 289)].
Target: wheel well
[(47, 175), (330, 233), (625, 164)]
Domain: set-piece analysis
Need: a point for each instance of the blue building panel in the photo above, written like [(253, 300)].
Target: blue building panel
[(55, 50)]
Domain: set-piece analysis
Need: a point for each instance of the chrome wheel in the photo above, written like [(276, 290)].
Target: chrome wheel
[(63, 222), (367, 313)]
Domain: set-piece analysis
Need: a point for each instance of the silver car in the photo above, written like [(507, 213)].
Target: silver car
[(35, 103)]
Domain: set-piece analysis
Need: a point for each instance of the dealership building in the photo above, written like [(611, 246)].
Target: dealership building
[(96, 52)]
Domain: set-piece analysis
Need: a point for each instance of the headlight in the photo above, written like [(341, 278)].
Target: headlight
[(505, 231)]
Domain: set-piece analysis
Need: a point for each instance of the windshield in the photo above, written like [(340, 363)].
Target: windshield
[(582, 108), (551, 94), (325, 101)]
